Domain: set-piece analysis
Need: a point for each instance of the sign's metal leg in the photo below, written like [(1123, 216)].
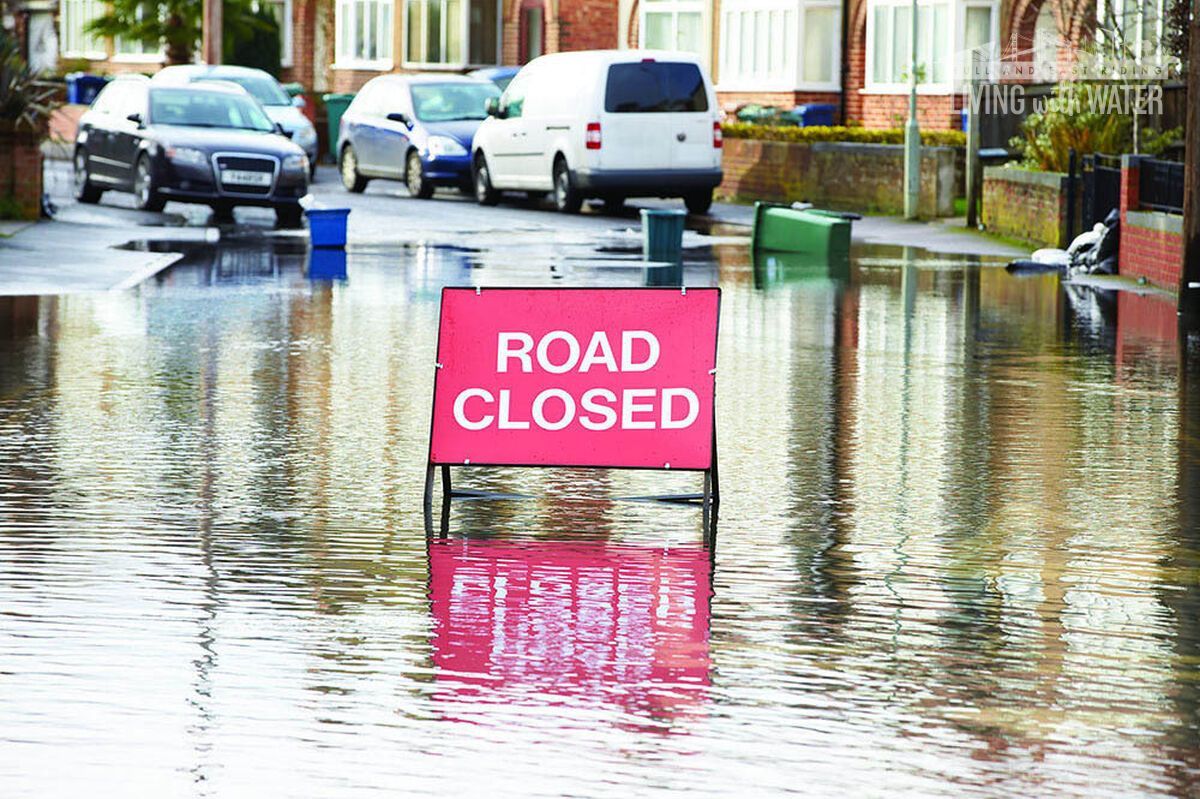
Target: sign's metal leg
[(446, 482), (716, 483), (429, 489)]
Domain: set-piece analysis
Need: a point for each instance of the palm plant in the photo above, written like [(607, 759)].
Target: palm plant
[(177, 24), (26, 101)]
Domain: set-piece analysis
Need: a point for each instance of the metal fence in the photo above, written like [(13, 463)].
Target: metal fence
[(1101, 187), (1160, 185)]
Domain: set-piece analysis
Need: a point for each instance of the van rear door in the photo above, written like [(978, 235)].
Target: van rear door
[(656, 116)]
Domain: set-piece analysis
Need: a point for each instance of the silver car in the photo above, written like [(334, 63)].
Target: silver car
[(262, 87)]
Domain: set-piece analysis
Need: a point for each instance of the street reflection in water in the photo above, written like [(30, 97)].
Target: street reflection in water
[(958, 548)]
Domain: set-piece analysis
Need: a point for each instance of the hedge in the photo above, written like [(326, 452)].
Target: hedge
[(791, 133)]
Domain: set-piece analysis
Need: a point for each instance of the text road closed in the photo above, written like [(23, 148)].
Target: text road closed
[(576, 377)]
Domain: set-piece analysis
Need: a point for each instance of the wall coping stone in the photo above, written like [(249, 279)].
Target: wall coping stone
[(1029, 177), (1155, 220)]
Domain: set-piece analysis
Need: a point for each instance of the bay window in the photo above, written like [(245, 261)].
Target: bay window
[(673, 25), (758, 44), (73, 19), (364, 31), (452, 33), (948, 32)]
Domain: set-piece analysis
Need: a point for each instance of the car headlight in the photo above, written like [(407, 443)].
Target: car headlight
[(444, 145), (305, 136), (296, 163), (187, 156)]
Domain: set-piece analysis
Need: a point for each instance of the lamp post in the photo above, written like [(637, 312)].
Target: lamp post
[(912, 133)]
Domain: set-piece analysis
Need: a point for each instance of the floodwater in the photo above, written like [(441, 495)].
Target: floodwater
[(957, 551)]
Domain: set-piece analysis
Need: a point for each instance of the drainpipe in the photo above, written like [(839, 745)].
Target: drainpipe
[(845, 60)]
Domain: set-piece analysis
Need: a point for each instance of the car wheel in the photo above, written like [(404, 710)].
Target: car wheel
[(414, 177), (289, 217), (145, 196), (351, 178), (698, 202), (485, 193), (85, 190), (566, 197)]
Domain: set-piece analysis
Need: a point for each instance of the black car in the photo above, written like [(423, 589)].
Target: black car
[(208, 143)]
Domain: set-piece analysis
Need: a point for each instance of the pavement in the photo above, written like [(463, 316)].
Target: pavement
[(105, 247)]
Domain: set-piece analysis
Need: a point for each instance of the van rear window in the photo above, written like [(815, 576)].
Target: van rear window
[(649, 87)]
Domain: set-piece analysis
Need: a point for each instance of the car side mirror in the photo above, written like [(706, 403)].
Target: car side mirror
[(135, 118), (299, 102), (492, 108), (400, 117)]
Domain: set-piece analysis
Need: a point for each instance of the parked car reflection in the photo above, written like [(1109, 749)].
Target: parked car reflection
[(587, 621)]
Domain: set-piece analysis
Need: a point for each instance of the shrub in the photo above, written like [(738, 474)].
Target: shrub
[(1068, 122), (791, 133)]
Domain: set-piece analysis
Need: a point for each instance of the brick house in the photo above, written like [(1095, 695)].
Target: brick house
[(852, 54), (337, 45)]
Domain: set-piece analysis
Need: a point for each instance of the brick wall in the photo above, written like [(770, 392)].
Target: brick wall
[(64, 122), (858, 177), (934, 111), (587, 25), (21, 173), (730, 101), (1028, 205), (1151, 242)]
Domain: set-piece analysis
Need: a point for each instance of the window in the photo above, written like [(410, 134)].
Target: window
[(129, 49), (206, 110), (446, 102), (1132, 28), (533, 21), (889, 38), (364, 33), (758, 40), (654, 87), (978, 42), (673, 25), (282, 11), (437, 31), (74, 16)]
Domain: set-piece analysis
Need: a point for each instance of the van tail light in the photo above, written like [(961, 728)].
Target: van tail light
[(593, 136), (718, 136)]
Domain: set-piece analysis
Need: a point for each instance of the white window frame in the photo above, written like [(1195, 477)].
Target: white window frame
[(1103, 8), (953, 48), (730, 51), (286, 56), (675, 8), (961, 65), (344, 60), (86, 11), (144, 56), (464, 32)]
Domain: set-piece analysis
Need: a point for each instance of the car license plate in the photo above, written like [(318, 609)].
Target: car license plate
[(244, 177)]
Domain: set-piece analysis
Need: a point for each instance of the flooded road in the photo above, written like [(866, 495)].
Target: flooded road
[(958, 548)]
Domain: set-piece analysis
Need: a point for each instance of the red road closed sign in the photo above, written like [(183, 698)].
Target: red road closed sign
[(576, 377)]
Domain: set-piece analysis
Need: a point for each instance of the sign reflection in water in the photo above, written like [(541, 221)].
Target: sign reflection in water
[(588, 622)]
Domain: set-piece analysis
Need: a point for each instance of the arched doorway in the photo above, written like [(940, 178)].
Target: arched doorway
[(531, 41)]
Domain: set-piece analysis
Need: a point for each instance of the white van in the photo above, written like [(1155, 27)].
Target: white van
[(603, 123)]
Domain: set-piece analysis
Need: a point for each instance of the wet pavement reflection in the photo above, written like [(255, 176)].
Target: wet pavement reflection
[(958, 549)]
